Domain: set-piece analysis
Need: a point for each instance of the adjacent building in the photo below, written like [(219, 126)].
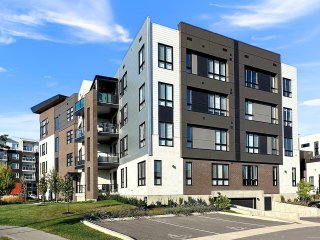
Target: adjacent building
[(188, 113)]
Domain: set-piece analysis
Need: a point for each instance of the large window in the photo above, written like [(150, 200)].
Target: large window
[(294, 177), (217, 69), (124, 146), (165, 56), (69, 136), (189, 99), (70, 114), (142, 173), (252, 143), (44, 128), (69, 159), (141, 97), (188, 173), (220, 140), (189, 137), (141, 59), (165, 134), (157, 172), (123, 84), (142, 135), (15, 166), (287, 92), (275, 176), (288, 147), (287, 117), (165, 95), (220, 174), (123, 177), (217, 104), (124, 115), (251, 78), (250, 175)]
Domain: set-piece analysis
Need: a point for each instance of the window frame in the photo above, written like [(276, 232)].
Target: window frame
[(141, 59), (69, 136), (70, 114), (69, 159), (287, 83), (44, 128), (250, 180), (255, 148), (164, 61), (287, 122), (124, 146), (188, 177), (189, 137), (166, 139), (142, 173), (219, 145), (225, 180), (214, 74), (157, 175), (142, 135), (294, 177), (275, 176), (288, 152), (189, 99), (166, 102), (251, 82), (214, 110), (123, 83), (142, 93)]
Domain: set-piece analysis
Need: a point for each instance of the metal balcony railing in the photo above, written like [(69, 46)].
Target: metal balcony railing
[(107, 98), (80, 188), (28, 159), (79, 105), (79, 133), (28, 148), (108, 158), (108, 128), (80, 161), (108, 188), (26, 169)]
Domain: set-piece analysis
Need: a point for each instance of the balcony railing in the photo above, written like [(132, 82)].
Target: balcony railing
[(80, 188), (79, 134), (108, 188), (28, 148), (79, 107), (108, 158), (80, 161), (107, 98), (108, 128), (28, 169), (28, 159), (3, 157)]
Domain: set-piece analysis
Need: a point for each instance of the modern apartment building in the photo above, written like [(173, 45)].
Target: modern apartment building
[(188, 112), (22, 155)]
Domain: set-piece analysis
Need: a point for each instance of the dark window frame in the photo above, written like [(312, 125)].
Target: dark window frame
[(253, 147), (124, 146), (70, 114), (287, 112), (213, 75), (251, 82), (166, 139), (288, 152), (287, 83), (275, 176), (217, 111), (142, 59), (166, 102), (56, 123), (189, 137), (250, 180), (142, 173), (44, 128), (69, 159), (166, 64), (142, 93), (225, 179), (56, 144), (123, 117), (122, 178), (123, 83), (69, 136), (294, 177), (188, 176), (157, 174), (142, 138)]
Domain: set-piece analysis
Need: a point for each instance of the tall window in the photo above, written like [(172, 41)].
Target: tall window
[(141, 59), (69, 159), (141, 97), (189, 137), (44, 128), (122, 177), (288, 147), (124, 146), (15, 166), (294, 177), (220, 174), (124, 115), (274, 117), (251, 79), (70, 114), (252, 143), (56, 123), (287, 92), (142, 135), (249, 110), (217, 104), (316, 148), (69, 136), (142, 173), (165, 134), (188, 173), (189, 99), (165, 56), (123, 84), (56, 144), (275, 176), (157, 172), (220, 140), (287, 117), (188, 62), (250, 175), (311, 180), (274, 87), (165, 95), (217, 69)]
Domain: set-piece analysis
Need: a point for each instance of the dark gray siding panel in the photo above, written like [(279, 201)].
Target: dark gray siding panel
[(165, 114), (287, 132), (263, 144), (202, 66)]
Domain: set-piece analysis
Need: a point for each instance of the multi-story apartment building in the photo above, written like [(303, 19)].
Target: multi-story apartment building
[(188, 112), (22, 155)]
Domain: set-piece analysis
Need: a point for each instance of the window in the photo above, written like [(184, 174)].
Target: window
[(15, 166), (165, 134), (220, 174), (287, 87), (124, 146), (141, 59), (275, 176), (274, 146), (311, 180), (316, 148), (88, 119), (249, 110), (44, 128), (217, 69), (69, 136), (157, 172), (70, 114), (252, 143), (274, 118), (56, 144), (122, 178), (165, 56), (294, 177), (44, 149), (15, 156), (56, 123), (141, 97), (189, 137), (250, 175), (273, 83), (123, 84), (142, 173), (251, 79), (305, 145), (142, 135), (165, 95), (217, 104), (69, 159), (189, 99), (124, 115), (188, 173), (17, 175), (287, 117), (220, 140), (188, 62), (288, 148)]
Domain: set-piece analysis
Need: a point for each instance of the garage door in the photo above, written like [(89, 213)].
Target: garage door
[(244, 202)]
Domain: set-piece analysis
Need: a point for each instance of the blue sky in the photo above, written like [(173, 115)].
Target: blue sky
[(49, 47)]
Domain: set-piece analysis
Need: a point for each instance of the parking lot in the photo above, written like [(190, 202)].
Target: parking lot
[(185, 227)]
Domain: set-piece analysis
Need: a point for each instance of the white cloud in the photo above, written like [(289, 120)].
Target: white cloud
[(264, 38), (311, 103), (309, 64), (25, 125), (268, 13), (2, 69), (77, 21)]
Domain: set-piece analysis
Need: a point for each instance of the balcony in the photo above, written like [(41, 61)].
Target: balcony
[(79, 136), (3, 157), (107, 104), (79, 107), (29, 178), (80, 161), (28, 159), (107, 98), (28, 169), (28, 148), (108, 160), (107, 132), (107, 188)]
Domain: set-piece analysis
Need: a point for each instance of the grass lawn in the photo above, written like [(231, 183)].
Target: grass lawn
[(5, 238), (51, 218)]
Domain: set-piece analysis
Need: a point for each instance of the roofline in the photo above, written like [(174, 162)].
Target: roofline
[(47, 104)]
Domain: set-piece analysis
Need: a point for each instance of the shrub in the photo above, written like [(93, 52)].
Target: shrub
[(211, 201), (12, 199), (172, 203), (222, 203), (201, 202), (100, 215), (180, 201), (132, 200), (158, 203), (283, 200), (304, 189), (185, 210)]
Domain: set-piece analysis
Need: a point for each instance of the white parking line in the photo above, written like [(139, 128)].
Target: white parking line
[(181, 226), (225, 220)]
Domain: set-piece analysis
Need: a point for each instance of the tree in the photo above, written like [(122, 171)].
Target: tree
[(3, 141), (24, 188), (67, 189), (7, 182), (55, 183), (43, 186), (304, 189)]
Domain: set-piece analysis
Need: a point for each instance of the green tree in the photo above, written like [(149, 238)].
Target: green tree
[(7, 182), (55, 183), (24, 188), (222, 203), (3, 141), (43, 186), (67, 189), (304, 189)]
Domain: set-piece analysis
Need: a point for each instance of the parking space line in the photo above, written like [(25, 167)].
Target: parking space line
[(225, 220), (181, 226)]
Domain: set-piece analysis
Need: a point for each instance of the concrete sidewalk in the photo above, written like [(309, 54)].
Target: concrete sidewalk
[(25, 233)]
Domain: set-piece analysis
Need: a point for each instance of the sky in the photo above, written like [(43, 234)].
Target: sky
[(48, 47)]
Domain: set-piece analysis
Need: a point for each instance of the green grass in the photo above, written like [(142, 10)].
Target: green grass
[(51, 218), (5, 238)]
